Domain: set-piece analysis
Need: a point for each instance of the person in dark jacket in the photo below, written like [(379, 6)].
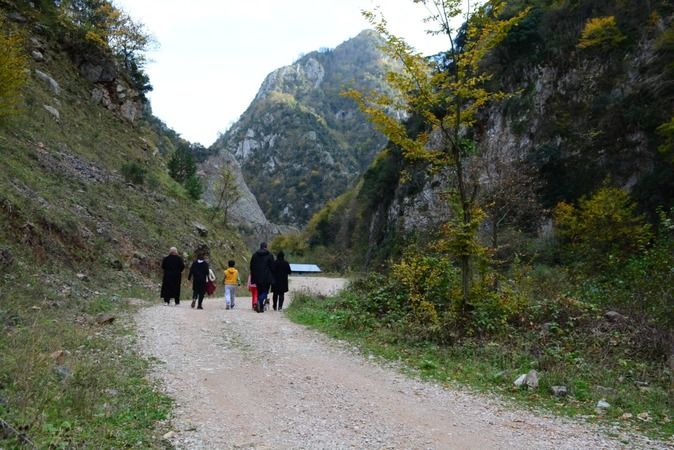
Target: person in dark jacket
[(199, 276), (281, 270), (173, 267), (261, 275)]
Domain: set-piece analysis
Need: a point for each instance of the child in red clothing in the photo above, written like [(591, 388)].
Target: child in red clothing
[(253, 293)]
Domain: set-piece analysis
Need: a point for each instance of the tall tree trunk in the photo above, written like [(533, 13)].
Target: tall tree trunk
[(466, 272), (465, 220), (494, 245)]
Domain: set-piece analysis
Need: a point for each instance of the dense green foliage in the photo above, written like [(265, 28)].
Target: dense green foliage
[(603, 227), (552, 319), (133, 172), (194, 187), (601, 32), (181, 166), (183, 169)]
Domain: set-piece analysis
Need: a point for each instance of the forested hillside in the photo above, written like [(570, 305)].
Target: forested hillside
[(88, 208), (521, 219), (300, 142)]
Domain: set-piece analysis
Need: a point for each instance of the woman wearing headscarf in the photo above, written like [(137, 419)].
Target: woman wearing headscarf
[(261, 264), (173, 267), (199, 276), (281, 270)]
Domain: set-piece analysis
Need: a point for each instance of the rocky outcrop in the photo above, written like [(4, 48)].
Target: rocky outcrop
[(52, 83), (120, 98), (53, 111), (301, 77), (245, 213), (110, 87), (246, 209), (98, 70)]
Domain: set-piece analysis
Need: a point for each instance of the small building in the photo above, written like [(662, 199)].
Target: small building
[(304, 268)]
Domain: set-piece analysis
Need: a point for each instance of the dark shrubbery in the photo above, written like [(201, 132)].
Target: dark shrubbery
[(133, 173), (183, 169)]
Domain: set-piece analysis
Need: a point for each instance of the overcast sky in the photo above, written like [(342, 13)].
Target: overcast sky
[(214, 54)]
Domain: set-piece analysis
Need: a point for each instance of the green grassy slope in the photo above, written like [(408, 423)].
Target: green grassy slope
[(76, 241)]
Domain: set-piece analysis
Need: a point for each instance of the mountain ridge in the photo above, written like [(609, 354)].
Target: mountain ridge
[(300, 142)]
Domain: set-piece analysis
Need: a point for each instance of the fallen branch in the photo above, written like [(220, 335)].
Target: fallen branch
[(7, 430)]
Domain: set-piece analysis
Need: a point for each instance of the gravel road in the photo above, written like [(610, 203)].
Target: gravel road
[(243, 380)]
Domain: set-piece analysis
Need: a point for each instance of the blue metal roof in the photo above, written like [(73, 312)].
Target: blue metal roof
[(311, 268)]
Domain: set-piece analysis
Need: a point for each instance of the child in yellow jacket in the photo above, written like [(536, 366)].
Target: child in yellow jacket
[(231, 281)]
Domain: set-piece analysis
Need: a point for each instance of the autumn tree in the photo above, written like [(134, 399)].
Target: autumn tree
[(129, 40), (228, 192), (89, 14), (109, 26), (446, 99), (509, 197), (13, 63)]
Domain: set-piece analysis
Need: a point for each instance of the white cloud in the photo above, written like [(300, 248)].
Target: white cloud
[(214, 54)]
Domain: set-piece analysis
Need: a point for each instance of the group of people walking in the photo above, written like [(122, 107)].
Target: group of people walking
[(266, 274)]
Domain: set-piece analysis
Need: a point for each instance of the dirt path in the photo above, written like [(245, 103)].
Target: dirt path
[(247, 380)]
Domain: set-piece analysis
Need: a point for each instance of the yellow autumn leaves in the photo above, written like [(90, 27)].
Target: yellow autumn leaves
[(600, 32), (13, 68)]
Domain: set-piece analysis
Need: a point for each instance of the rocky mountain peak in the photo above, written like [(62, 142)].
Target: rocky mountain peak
[(301, 143)]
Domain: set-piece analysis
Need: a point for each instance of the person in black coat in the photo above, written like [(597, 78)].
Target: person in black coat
[(261, 275), (281, 270), (199, 276), (173, 267)]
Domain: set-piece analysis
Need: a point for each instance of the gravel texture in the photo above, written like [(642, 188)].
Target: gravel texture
[(245, 380)]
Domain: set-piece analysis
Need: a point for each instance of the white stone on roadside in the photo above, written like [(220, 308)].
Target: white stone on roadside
[(644, 417), (53, 111), (529, 379), (603, 404), (56, 89), (532, 379), (558, 391)]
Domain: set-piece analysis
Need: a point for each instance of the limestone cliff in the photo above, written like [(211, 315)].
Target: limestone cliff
[(245, 213), (580, 119)]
